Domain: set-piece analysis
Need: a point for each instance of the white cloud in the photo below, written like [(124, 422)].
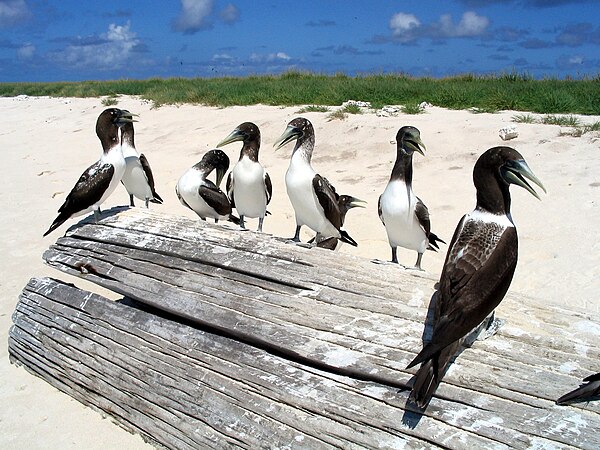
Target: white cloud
[(222, 57), (403, 26), (470, 25), (26, 51), (270, 57), (12, 12), (576, 60), (107, 51), (193, 16), (230, 13)]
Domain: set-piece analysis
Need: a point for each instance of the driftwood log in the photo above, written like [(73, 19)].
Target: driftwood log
[(237, 339)]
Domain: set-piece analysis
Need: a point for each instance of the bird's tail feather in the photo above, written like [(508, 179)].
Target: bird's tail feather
[(156, 198), (426, 383), (586, 391), (234, 219), (60, 219), (433, 242), (345, 237)]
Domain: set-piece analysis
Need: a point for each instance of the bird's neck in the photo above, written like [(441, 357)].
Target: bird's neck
[(402, 170), (493, 196), (303, 151), (250, 149)]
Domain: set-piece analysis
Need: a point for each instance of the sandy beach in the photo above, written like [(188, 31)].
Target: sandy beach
[(46, 143)]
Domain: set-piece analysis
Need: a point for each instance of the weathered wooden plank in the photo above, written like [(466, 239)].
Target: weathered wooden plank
[(184, 387), (216, 295)]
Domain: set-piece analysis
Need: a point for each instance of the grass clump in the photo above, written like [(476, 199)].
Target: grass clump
[(352, 109), (313, 108), (524, 118), (565, 121), (412, 108), (338, 114), (111, 100)]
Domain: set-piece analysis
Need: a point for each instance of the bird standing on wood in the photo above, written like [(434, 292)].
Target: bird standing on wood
[(138, 178), (479, 266), (201, 195), (589, 390), (248, 185), (403, 214), (100, 179), (314, 201)]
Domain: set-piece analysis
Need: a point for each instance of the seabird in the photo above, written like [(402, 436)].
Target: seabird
[(100, 179), (201, 195), (403, 214), (345, 203), (479, 266), (248, 185), (314, 201), (138, 178), (589, 390)]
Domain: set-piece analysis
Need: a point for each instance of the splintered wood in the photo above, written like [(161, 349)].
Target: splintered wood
[(232, 338)]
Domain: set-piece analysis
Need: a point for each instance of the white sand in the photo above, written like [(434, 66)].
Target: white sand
[(46, 143)]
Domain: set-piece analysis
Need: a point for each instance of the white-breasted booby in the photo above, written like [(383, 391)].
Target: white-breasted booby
[(403, 214), (100, 179), (314, 202), (479, 266), (248, 185), (200, 194), (589, 390), (138, 178)]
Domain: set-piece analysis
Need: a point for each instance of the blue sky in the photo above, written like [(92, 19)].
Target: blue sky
[(86, 40)]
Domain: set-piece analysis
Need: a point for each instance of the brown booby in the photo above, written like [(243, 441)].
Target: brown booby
[(479, 266), (314, 202), (138, 178), (100, 179), (248, 185), (201, 195), (403, 214), (589, 390)]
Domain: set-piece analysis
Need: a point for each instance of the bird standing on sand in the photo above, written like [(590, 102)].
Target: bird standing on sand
[(404, 215), (248, 185), (479, 266), (100, 179), (201, 195), (138, 178), (314, 202), (589, 390)]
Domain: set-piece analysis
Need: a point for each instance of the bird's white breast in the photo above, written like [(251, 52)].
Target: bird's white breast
[(401, 223), (249, 188), (298, 182), (114, 157), (187, 189)]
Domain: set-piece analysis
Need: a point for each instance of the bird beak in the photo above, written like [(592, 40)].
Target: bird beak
[(356, 203), (126, 117), (288, 135), (517, 171), (416, 145), (235, 135), (221, 171)]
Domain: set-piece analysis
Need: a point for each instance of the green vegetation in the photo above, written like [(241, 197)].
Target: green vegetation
[(412, 108), (564, 121), (511, 91), (313, 108), (338, 114), (524, 118), (110, 100)]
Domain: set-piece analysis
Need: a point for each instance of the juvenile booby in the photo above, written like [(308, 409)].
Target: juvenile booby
[(345, 203), (590, 390), (248, 185), (200, 194), (403, 214), (479, 265), (314, 202), (101, 178), (138, 178)]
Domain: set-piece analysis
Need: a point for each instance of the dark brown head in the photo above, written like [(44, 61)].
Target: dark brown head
[(108, 124), (299, 129), (495, 171), (214, 160), (246, 132), (408, 140)]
